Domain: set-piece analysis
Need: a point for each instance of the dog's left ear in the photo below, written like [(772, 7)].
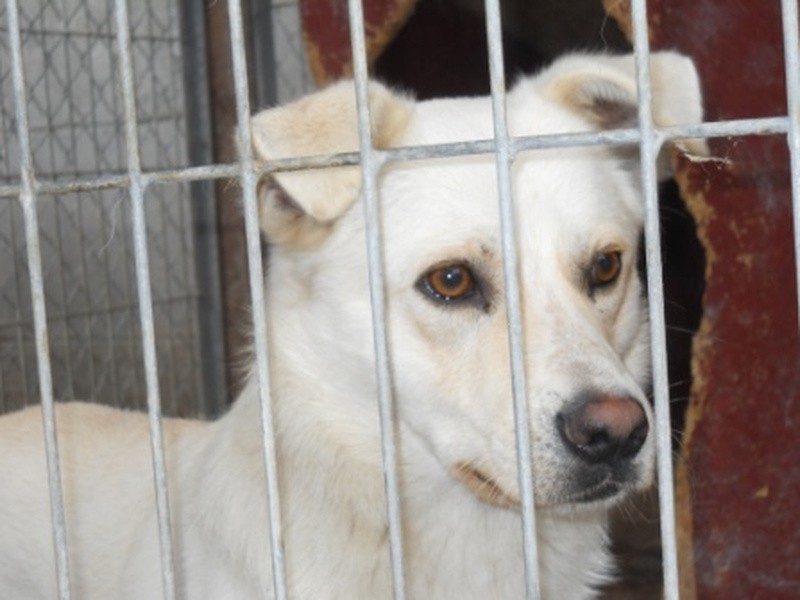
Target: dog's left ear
[(297, 208), (602, 89)]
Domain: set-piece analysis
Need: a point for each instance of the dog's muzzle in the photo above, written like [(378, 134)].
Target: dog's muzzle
[(602, 433), (605, 433)]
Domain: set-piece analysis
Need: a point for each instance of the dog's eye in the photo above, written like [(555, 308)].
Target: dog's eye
[(450, 283), (605, 270)]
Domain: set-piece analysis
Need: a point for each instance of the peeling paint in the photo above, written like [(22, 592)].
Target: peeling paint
[(737, 479), (693, 195), (746, 260)]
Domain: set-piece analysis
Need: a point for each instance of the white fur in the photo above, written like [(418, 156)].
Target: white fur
[(449, 368)]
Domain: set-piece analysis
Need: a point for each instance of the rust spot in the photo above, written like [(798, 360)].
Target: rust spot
[(762, 492)]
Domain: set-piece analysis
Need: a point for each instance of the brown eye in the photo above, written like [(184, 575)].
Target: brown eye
[(449, 284), (605, 268)]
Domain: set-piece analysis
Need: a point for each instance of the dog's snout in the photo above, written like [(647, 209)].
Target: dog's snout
[(604, 428)]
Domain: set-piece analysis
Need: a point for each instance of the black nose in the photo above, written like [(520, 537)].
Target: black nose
[(604, 428)]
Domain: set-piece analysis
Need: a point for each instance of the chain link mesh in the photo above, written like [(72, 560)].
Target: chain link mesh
[(76, 125)]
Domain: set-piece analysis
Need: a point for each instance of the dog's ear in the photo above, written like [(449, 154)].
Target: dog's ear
[(297, 208), (602, 88)]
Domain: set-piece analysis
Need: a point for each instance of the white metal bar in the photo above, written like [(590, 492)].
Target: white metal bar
[(370, 166), (649, 148), (617, 137), (791, 51), (137, 188), (248, 178), (27, 199), (516, 341)]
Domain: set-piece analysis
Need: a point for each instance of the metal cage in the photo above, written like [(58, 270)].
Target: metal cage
[(143, 177)]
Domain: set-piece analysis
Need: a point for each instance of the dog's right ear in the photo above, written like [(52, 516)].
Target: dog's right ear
[(602, 89), (297, 208)]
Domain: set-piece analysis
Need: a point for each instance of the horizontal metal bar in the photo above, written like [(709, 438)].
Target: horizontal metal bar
[(93, 35), (620, 137)]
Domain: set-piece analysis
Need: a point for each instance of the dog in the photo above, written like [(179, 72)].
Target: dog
[(578, 218)]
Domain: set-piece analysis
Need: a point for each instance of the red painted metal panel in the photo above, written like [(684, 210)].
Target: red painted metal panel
[(740, 455)]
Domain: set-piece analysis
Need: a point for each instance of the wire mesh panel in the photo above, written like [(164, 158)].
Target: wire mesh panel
[(291, 68), (76, 128)]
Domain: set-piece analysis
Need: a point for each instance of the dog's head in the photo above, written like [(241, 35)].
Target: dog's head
[(578, 226)]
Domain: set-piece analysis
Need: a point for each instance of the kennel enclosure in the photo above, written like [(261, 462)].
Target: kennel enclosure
[(69, 211)]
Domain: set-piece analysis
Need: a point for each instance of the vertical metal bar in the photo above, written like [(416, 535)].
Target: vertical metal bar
[(65, 358), (203, 205), (649, 146), (191, 392), (512, 296), (90, 316), (790, 49), (256, 275), (265, 85), (129, 379), (164, 306), (22, 353), (116, 379), (370, 166), (69, 353), (3, 391), (28, 201), (76, 382), (138, 185)]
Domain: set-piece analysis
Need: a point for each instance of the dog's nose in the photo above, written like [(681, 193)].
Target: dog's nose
[(604, 428)]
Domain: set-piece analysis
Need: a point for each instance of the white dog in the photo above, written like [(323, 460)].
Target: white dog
[(578, 222)]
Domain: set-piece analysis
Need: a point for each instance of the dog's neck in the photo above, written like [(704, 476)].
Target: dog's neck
[(334, 512)]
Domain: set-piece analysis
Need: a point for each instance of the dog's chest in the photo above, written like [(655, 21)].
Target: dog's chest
[(464, 549), (454, 547)]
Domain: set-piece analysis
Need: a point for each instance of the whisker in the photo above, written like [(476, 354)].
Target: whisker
[(679, 329)]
